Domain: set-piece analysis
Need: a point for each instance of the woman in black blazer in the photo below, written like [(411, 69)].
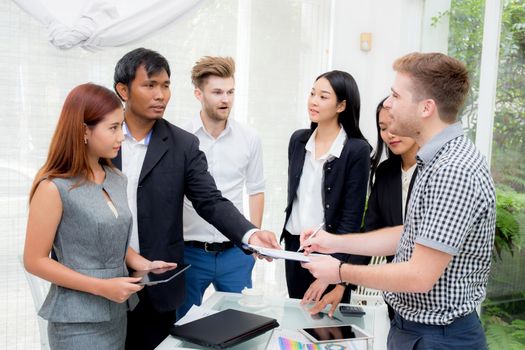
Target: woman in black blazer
[(387, 202), (327, 174)]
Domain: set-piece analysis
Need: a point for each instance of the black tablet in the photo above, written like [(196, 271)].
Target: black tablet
[(156, 276), (325, 334)]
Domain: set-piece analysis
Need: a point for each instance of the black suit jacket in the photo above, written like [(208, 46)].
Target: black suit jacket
[(384, 204), (344, 185), (173, 167)]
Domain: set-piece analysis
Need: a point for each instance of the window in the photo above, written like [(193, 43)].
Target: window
[(504, 309), (279, 48)]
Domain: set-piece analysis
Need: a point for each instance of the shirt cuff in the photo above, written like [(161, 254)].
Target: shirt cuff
[(255, 187), (248, 235), (427, 242)]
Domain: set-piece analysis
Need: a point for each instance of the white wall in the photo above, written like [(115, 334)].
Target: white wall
[(398, 27)]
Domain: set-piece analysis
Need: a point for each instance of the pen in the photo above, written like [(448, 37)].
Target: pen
[(312, 236)]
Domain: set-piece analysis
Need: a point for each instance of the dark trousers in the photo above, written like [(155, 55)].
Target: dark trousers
[(299, 279), (464, 333), (147, 328)]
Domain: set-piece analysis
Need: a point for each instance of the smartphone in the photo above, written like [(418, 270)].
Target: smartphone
[(326, 334), (321, 315), (161, 275), (352, 310)]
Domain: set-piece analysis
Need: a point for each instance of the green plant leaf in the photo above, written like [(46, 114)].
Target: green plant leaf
[(499, 336)]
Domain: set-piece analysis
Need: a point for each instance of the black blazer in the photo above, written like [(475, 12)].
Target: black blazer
[(173, 167), (384, 204), (344, 183)]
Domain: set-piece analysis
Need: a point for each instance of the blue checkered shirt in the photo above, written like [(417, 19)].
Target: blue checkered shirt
[(452, 209)]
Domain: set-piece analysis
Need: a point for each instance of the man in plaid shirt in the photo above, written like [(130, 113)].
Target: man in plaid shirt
[(443, 253)]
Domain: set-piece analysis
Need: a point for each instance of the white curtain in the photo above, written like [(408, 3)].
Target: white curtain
[(95, 24)]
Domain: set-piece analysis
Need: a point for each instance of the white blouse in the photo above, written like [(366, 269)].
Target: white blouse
[(406, 176), (307, 207)]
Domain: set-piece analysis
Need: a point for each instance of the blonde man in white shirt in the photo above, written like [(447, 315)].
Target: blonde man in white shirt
[(234, 155)]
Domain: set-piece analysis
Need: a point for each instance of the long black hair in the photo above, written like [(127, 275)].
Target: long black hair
[(380, 146), (345, 89)]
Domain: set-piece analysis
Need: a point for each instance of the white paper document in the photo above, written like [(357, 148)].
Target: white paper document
[(280, 254), (195, 313)]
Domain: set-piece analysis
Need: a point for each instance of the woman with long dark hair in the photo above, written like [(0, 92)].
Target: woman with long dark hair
[(392, 179), (79, 226), (327, 174)]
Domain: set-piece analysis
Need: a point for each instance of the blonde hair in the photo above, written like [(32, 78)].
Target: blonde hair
[(223, 67), (439, 77)]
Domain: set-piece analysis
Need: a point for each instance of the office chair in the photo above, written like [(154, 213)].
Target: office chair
[(39, 289)]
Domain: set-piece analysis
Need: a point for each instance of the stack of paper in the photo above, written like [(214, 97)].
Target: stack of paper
[(195, 313)]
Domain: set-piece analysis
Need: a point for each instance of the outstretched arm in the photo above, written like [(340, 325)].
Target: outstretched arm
[(376, 243), (201, 190), (138, 262), (416, 275)]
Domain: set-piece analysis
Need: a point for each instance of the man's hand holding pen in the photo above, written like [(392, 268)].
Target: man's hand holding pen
[(318, 241), (301, 247)]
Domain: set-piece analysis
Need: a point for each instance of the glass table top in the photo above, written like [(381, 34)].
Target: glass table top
[(289, 313)]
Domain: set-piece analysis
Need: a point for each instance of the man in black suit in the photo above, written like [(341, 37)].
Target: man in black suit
[(163, 163)]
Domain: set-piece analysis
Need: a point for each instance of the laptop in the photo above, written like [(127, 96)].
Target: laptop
[(224, 329)]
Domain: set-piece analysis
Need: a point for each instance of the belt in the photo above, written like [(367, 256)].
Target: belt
[(210, 247)]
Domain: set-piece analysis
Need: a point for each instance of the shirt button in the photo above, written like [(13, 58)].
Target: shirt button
[(329, 189), (327, 206)]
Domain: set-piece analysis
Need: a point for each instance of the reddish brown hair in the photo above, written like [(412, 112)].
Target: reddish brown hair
[(439, 77), (222, 67), (85, 106)]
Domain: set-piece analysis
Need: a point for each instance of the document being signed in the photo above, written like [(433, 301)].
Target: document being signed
[(279, 253)]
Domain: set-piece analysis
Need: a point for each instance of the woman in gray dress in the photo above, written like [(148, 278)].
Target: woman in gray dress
[(79, 226)]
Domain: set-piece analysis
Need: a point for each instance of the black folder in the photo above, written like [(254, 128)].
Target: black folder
[(224, 329)]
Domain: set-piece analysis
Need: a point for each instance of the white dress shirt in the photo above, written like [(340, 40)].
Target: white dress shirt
[(235, 162), (307, 207), (133, 154)]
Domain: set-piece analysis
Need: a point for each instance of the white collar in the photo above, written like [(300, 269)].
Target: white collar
[(336, 148), (145, 141), (196, 125)]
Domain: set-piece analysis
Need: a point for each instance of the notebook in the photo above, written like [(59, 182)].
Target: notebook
[(224, 329)]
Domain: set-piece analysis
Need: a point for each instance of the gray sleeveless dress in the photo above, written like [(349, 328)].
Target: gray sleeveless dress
[(91, 240)]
